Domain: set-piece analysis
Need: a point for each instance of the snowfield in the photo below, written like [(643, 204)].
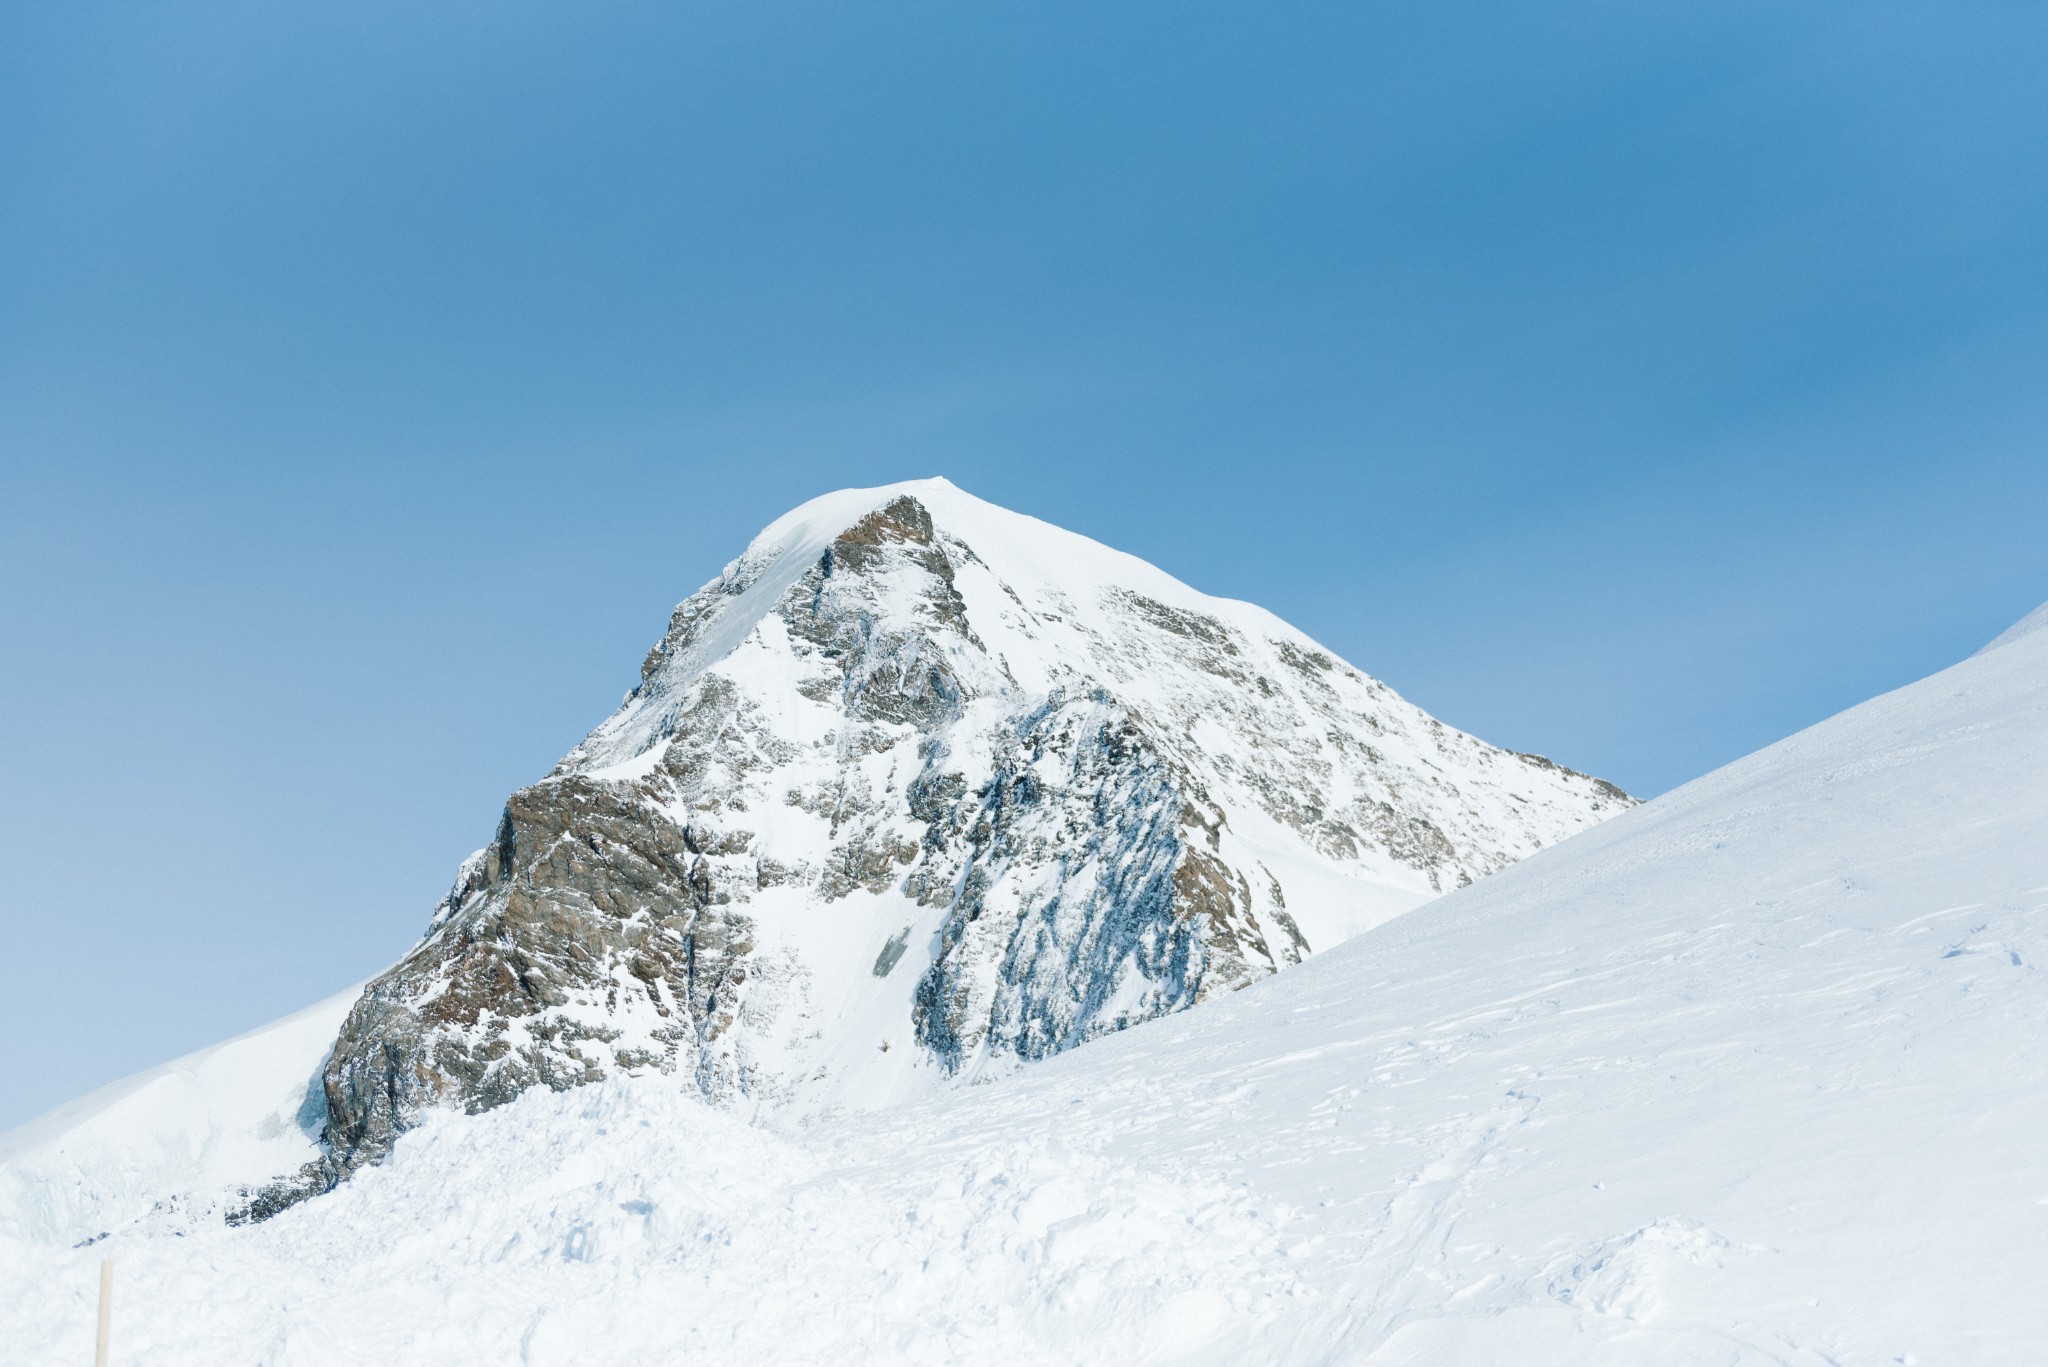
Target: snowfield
[(1756, 1073)]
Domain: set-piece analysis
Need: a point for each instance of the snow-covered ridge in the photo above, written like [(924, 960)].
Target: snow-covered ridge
[(198, 1128), (918, 790), (2026, 626)]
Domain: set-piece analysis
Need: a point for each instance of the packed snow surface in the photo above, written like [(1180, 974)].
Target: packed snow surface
[(1757, 1073)]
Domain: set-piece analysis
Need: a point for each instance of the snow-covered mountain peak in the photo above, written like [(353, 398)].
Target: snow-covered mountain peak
[(1046, 605), (921, 789), (1024, 549)]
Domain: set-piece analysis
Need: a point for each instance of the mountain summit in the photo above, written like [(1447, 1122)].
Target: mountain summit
[(921, 788)]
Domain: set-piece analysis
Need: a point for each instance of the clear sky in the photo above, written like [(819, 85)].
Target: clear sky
[(1630, 383)]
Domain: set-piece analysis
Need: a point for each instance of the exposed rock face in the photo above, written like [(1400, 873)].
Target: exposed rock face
[(919, 788)]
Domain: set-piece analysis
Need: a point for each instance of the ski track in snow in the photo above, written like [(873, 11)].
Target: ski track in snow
[(1756, 1074)]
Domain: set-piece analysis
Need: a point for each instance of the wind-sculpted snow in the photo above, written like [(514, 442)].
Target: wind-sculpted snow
[(1754, 1075), (919, 789)]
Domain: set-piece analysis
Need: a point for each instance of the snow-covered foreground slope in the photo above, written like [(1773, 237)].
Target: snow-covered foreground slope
[(1757, 1073)]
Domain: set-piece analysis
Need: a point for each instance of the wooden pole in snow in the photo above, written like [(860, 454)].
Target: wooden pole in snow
[(99, 1357)]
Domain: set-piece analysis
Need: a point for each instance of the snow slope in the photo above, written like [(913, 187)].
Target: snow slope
[(1757, 1073), (198, 1125), (2026, 626)]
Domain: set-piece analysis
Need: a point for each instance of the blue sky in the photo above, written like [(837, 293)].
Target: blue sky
[(1634, 384)]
